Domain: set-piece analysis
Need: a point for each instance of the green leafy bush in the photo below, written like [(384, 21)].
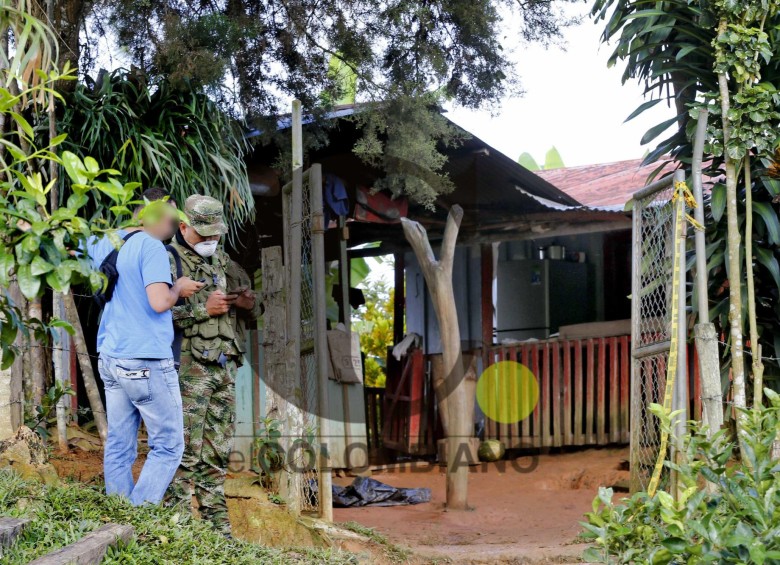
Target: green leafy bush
[(63, 514), (727, 512)]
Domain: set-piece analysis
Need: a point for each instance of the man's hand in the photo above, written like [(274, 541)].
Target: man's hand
[(219, 303), (246, 300), (187, 287)]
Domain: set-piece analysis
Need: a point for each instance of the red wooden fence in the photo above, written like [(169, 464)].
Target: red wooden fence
[(584, 392), (584, 397)]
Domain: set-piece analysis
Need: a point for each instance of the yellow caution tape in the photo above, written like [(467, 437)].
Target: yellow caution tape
[(681, 196)]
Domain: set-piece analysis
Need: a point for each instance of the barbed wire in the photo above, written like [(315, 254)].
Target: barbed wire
[(744, 351)]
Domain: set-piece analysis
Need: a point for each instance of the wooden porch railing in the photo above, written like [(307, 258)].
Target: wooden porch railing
[(584, 398), (584, 393)]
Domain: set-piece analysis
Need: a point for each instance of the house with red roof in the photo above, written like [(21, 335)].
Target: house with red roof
[(605, 185)]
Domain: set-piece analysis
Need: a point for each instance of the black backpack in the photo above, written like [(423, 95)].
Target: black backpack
[(108, 268), (177, 333)]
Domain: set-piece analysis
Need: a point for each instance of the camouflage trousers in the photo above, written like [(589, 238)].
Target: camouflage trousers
[(208, 401)]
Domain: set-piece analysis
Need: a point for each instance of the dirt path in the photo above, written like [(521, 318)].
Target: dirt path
[(518, 517), (524, 512)]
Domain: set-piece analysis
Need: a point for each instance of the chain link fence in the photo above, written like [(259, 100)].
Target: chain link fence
[(308, 377), (651, 323), (302, 433)]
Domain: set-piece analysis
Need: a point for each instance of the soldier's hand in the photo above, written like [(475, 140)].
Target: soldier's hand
[(219, 303), (188, 287), (246, 300)]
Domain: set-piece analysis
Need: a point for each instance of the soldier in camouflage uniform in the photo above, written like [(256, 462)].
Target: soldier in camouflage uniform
[(210, 353)]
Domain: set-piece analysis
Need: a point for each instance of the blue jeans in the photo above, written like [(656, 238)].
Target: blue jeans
[(138, 389)]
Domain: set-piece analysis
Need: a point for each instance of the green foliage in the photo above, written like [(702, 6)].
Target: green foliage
[(727, 511), (675, 49), (397, 53), (527, 161), (374, 322), (766, 268), (552, 160), (38, 241), (63, 514), (409, 156), (156, 135), (270, 453), (45, 412)]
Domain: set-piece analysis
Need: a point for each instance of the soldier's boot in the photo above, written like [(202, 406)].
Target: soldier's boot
[(179, 494), (213, 506)]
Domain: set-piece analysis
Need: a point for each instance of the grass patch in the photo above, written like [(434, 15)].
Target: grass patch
[(392, 552), (64, 514)]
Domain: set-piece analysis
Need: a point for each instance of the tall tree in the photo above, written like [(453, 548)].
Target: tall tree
[(721, 52), (404, 56)]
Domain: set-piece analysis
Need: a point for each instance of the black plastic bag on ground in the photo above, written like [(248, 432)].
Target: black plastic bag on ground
[(365, 491)]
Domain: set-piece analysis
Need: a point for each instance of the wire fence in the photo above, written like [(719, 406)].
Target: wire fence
[(308, 365), (299, 212), (651, 318)]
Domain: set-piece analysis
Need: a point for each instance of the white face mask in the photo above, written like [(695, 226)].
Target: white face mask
[(206, 248)]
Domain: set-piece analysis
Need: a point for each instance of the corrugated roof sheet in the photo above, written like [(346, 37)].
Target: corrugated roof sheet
[(608, 185)]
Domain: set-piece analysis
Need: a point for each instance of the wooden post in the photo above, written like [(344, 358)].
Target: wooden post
[(704, 331), (321, 342), (59, 355), (486, 290), (399, 301), (38, 356), (293, 424), (346, 318), (438, 277), (274, 337)]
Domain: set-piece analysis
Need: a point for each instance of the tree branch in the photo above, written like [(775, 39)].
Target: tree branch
[(450, 237), (418, 238)]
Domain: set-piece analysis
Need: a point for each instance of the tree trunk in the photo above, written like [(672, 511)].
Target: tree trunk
[(755, 346), (734, 263), (453, 395), (35, 313), (90, 384), (69, 16)]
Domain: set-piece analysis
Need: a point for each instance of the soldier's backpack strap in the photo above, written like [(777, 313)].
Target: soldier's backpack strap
[(108, 268), (178, 334)]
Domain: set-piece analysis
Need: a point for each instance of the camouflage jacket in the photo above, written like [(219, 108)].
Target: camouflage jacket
[(205, 337)]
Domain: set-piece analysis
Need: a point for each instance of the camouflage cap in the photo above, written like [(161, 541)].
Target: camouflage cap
[(205, 215)]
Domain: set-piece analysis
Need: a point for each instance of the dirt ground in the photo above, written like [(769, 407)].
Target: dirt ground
[(524, 511), (518, 516)]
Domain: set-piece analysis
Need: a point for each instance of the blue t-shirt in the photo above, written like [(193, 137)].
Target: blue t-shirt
[(129, 327)]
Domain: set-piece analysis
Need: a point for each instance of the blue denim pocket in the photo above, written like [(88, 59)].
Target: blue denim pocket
[(135, 382)]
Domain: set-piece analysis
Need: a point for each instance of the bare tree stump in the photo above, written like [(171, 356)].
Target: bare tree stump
[(452, 392)]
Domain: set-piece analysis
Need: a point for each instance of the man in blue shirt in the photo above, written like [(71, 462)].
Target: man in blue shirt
[(136, 362)]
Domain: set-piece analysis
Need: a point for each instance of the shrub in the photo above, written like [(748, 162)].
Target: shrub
[(728, 511)]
